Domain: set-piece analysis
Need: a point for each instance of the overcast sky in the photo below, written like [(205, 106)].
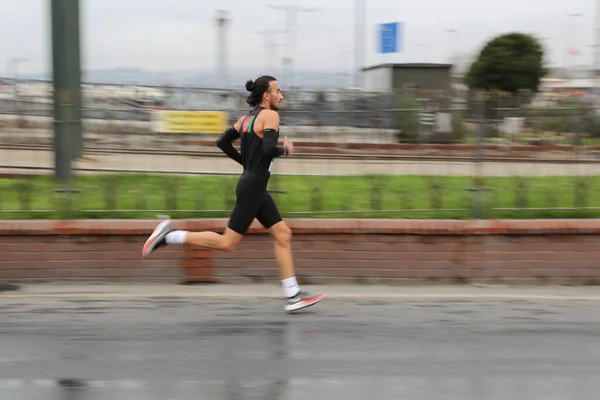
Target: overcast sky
[(181, 35)]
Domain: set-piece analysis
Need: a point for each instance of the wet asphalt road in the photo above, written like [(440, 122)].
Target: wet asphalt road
[(182, 349)]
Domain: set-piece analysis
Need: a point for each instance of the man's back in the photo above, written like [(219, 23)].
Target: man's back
[(252, 146)]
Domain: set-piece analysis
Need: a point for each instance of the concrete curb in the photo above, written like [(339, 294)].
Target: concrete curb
[(124, 296), (123, 292)]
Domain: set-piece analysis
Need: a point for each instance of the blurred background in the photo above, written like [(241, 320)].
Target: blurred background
[(462, 109), (429, 109)]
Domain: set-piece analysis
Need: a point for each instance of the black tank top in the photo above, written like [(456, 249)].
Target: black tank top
[(251, 145)]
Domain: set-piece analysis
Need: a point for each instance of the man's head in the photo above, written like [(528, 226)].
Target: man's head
[(264, 92)]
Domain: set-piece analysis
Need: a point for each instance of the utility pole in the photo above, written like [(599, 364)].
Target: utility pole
[(13, 64), (360, 34), (271, 44), (291, 18), (13, 71), (596, 57), (222, 20), (452, 47), (66, 69), (572, 47)]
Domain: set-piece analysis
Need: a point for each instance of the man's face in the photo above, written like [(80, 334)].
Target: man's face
[(274, 96)]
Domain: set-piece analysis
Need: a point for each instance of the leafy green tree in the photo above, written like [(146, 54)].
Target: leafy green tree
[(407, 119), (510, 63)]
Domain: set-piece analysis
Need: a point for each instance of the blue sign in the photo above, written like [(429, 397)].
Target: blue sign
[(389, 37)]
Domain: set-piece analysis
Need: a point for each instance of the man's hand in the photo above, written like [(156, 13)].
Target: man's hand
[(288, 145)]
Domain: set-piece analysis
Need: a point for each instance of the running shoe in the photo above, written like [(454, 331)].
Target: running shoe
[(302, 300), (157, 239)]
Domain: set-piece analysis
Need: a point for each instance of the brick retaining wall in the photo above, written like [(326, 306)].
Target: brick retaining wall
[(325, 251)]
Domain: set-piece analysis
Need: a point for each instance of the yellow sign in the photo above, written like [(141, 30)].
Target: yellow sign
[(191, 121)]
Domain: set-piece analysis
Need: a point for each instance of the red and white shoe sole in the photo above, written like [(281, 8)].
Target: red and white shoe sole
[(147, 245), (303, 304), (153, 236)]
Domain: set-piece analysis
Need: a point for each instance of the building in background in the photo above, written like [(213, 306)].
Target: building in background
[(390, 77)]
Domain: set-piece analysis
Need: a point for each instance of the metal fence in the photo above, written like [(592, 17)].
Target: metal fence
[(117, 102), (407, 154)]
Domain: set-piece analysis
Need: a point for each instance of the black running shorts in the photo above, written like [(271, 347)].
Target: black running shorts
[(253, 201)]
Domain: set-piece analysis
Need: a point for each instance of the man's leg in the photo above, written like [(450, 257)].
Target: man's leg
[(282, 234), (164, 235), (228, 241), (268, 215), (241, 218)]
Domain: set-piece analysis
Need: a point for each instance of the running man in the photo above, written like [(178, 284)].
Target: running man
[(259, 133)]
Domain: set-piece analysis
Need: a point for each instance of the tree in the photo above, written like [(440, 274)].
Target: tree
[(408, 120), (511, 63)]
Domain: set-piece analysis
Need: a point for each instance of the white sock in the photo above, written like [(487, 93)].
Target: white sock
[(290, 287), (176, 237)]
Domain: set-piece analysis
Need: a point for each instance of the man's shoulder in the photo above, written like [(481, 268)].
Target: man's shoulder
[(269, 115)]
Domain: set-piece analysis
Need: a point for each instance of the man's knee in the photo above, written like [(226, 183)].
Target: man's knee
[(283, 234), (230, 241), (229, 246)]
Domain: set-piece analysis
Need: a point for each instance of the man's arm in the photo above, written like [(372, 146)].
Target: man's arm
[(225, 143), (271, 126)]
